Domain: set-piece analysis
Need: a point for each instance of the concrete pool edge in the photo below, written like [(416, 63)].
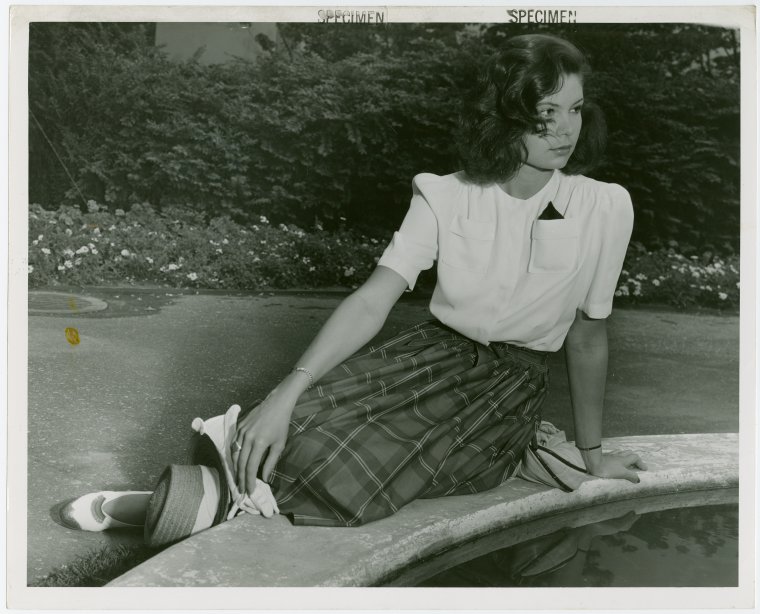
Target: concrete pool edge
[(252, 551)]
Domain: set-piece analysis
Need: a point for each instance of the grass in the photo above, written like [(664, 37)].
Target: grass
[(97, 568)]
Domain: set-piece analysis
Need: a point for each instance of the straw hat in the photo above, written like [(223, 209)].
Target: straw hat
[(188, 498)]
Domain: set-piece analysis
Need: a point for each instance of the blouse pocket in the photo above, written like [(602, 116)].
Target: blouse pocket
[(468, 244), (553, 246)]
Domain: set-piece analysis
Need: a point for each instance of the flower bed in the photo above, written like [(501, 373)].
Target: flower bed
[(669, 277), (179, 248)]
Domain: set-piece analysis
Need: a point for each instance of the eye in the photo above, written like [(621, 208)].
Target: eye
[(577, 109), (546, 113)]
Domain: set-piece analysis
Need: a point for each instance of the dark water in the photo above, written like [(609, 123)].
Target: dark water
[(695, 546)]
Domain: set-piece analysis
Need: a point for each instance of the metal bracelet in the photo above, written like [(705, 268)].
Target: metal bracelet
[(304, 370)]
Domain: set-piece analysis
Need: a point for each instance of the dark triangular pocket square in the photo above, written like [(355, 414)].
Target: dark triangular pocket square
[(550, 213)]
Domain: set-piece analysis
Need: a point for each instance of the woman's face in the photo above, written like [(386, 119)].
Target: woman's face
[(561, 112)]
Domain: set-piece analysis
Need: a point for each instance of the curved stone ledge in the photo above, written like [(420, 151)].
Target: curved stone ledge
[(253, 551)]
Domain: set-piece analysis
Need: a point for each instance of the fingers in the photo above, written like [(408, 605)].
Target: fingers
[(634, 460), (272, 458), (252, 468)]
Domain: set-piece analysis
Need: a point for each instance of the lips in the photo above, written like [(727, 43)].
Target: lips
[(562, 150)]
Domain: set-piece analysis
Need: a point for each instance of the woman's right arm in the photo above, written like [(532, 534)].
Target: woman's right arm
[(354, 323)]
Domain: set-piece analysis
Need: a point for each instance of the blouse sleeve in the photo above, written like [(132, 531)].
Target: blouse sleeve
[(414, 247), (616, 227)]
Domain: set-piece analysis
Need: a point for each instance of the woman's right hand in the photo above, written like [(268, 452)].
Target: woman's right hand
[(263, 431)]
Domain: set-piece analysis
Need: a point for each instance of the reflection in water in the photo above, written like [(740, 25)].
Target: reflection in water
[(677, 547)]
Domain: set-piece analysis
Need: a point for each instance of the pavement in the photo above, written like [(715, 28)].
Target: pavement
[(112, 411)]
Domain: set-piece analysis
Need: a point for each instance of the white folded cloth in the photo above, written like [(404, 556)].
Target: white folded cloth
[(222, 430)]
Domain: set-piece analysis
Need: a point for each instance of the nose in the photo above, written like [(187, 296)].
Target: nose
[(563, 127)]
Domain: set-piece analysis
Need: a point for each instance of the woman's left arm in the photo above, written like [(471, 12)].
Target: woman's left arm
[(586, 357)]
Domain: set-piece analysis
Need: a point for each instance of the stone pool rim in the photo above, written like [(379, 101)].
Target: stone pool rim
[(373, 554)]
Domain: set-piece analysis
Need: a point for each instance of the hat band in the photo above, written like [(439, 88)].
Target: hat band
[(210, 501)]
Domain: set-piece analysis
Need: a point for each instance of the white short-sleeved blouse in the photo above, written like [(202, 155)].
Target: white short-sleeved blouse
[(505, 275)]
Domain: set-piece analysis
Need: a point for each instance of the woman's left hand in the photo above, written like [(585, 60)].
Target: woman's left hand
[(620, 465)]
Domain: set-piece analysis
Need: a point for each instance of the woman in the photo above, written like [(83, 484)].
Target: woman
[(527, 259)]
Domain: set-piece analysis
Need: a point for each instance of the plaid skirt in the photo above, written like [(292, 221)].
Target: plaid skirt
[(425, 414)]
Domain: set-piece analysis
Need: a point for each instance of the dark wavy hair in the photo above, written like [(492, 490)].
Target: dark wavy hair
[(501, 109)]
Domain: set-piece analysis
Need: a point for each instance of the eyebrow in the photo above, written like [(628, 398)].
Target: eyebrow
[(552, 104)]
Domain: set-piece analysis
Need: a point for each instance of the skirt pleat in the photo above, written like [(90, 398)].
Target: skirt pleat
[(425, 414)]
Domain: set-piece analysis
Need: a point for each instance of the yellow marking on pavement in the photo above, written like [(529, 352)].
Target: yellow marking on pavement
[(72, 304), (72, 335)]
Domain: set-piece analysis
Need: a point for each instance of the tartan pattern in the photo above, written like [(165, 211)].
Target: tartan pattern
[(419, 416)]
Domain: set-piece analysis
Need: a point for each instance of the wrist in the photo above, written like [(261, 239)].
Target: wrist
[(292, 386), (592, 458)]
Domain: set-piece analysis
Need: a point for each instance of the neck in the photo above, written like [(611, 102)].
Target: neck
[(526, 182)]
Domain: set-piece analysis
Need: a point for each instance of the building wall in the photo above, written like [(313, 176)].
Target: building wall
[(222, 41)]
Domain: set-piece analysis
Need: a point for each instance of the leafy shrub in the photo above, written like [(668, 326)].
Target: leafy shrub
[(336, 125)]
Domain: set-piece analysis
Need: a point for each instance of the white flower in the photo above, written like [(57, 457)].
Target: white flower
[(218, 250), (119, 213), (375, 242), (96, 231), (68, 264), (92, 206), (641, 277), (312, 269), (40, 237), (68, 252), (149, 259), (125, 253), (255, 227), (68, 232), (192, 276), (637, 291), (61, 267), (45, 251), (225, 241), (349, 271), (172, 267), (83, 250), (77, 261), (263, 220), (93, 250), (656, 282), (283, 227), (623, 291), (722, 296), (112, 227), (35, 242), (29, 269)]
